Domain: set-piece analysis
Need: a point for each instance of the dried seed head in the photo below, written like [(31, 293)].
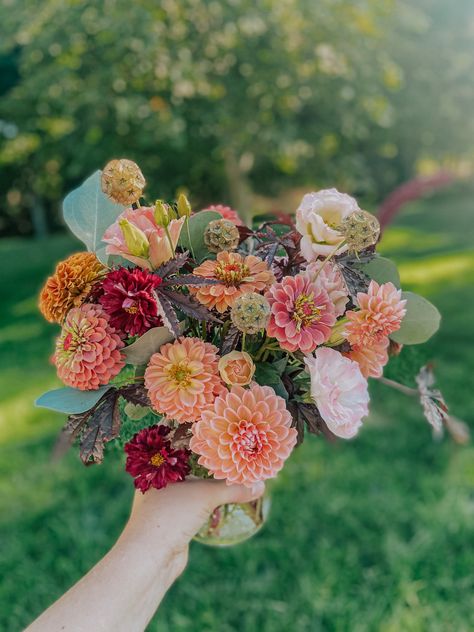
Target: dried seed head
[(122, 181), (250, 313), (221, 234), (361, 230)]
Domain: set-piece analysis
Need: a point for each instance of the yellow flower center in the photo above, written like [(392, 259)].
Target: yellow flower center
[(181, 374), (231, 273), (157, 459), (306, 311)]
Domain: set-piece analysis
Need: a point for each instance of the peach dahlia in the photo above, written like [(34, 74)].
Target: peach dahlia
[(245, 436), (183, 378), (235, 274)]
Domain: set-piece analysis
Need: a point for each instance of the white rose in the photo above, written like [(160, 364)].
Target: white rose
[(317, 219)]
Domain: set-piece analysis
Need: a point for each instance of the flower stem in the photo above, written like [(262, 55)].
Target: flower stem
[(330, 255), (406, 390)]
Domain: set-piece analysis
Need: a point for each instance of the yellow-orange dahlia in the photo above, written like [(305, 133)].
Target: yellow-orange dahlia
[(246, 436), (183, 378), (70, 285), (236, 275)]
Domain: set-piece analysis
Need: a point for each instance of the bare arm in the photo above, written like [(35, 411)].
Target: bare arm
[(125, 588)]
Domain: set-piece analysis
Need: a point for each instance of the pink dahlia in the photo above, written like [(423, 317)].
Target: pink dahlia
[(339, 390), (137, 237), (128, 298), (329, 278), (381, 312), (87, 351), (370, 358), (183, 378), (226, 212), (246, 436), (302, 313), (152, 460)]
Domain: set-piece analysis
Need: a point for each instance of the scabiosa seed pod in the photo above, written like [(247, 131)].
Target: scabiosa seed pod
[(221, 234), (250, 313), (123, 181), (361, 230)]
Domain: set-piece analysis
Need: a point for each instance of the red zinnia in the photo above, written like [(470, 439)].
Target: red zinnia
[(128, 298), (152, 460)]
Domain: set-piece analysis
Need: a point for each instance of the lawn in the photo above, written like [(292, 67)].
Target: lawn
[(372, 534)]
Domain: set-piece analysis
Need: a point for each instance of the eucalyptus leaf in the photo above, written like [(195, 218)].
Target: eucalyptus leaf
[(140, 351), (89, 212), (70, 400), (382, 270), (197, 225), (421, 321)]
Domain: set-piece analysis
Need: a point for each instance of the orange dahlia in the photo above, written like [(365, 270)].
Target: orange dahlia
[(183, 378), (370, 358), (246, 436), (88, 349), (72, 282), (381, 312), (236, 275)]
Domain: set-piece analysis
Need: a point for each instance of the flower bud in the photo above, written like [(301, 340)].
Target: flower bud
[(221, 234), (162, 215), (337, 336), (361, 230), (184, 207), (135, 239), (236, 367), (122, 181), (250, 313)]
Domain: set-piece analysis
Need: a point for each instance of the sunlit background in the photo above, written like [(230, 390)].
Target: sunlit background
[(250, 103)]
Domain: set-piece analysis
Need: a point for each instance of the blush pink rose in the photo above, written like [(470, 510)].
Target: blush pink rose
[(318, 219), (236, 367), (339, 390), (155, 247)]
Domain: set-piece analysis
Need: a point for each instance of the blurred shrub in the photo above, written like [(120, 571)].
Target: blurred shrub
[(227, 97)]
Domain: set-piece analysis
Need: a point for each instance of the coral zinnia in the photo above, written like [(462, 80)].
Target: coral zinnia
[(183, 378), (88, 349), (226, 212), (370, 358), (236, 275), (246, 436), (153, 462), (302, 314), (381, 312), (72, 282), (129, 300)]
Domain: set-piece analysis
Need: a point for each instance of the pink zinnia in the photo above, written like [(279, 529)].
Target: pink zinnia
[(183, 378), (88, 349), (128, 297), (302, 314), (370, 358), (246, 436), (339, 390), (152, 460), (381, 312), (226, 212)]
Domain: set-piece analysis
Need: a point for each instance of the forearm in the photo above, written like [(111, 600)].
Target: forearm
[(123, 590)]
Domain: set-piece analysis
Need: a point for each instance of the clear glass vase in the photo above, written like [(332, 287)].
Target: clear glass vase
[(234, 523)]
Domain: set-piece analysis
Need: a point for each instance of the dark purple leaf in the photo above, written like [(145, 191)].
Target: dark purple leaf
[(230, 340), (136, 394), (188, 305), (173, 266), (168, 312), (187, 279), (102, 426)]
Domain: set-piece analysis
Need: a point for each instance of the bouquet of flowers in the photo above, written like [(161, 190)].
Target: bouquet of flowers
[(208, 348)]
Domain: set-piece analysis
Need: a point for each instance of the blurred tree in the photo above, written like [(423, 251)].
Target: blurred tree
[(219, 97)]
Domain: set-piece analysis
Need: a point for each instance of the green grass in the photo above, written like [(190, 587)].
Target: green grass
[(373, 534)]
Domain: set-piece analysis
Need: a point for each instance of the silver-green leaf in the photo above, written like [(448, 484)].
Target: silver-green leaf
[(89, 212), (197, 225), (421, 321), (70, 400)]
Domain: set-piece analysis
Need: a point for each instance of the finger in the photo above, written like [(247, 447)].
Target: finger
[(223, 493)]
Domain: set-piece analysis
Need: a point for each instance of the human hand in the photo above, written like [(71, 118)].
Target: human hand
[(170, 517)]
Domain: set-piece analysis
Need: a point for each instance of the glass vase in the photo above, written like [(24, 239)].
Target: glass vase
[(234, 523)]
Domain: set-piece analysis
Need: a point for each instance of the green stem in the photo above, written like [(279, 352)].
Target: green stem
[(186, 221), (406, 390), (169, 239), (330, 255), (243, 341)]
